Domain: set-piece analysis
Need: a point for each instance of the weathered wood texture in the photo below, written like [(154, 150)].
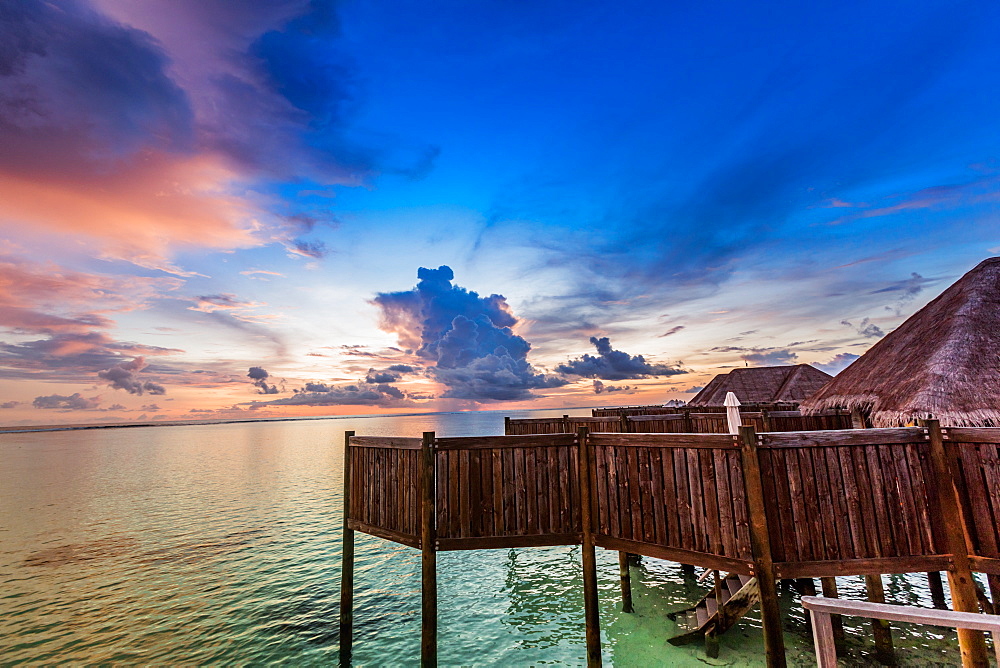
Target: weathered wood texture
[(974, 456), (701, 421), (664, 410), (678, 491), (502, 491), (384, 494), (837, 501), (849, 496)]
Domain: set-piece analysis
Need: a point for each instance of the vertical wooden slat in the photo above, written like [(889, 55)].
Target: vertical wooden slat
[(737, 484), (603, 503), (521, 490), (780, 476), (921, 497), (671, 500), (697, 505), (632, 458), (879, 484), (724, 499), (824, 498), (867, 517), (684, 513), (531, 500), (658, 499), (853, 504), (646, 499), (909, 509), (798, 506), (711, 501)]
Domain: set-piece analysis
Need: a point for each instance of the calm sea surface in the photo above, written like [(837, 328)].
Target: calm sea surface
[(221, 544)]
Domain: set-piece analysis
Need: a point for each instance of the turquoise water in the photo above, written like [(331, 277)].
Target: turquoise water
[(215, 544)]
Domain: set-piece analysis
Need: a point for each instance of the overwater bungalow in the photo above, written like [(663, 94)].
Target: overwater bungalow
[(763, 385), (942, 362)]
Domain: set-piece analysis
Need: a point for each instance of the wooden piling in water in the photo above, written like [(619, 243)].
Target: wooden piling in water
[(591, 613), (626, 581), (936, 585), (760, 542), (428, 555), (884, 651), (347, 564), (949, 513)]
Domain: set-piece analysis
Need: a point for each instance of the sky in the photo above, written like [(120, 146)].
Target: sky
[(214, 209)]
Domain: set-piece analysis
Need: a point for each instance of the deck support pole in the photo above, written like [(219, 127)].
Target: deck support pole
[(590, 610), (626, 578), (884, 651), (760, 542), (687, 570), (428, 555), (936, 585), (960, 582), (829, 586), (347, 564)]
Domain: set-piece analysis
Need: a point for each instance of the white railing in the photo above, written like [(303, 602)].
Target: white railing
[(821, 608)]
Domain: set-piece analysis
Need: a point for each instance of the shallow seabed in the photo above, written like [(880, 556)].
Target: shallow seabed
[(215, 544)]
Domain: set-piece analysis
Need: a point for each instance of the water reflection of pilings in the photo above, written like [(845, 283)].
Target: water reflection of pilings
[(543, 587)]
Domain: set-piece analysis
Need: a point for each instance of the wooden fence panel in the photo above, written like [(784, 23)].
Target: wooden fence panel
[(503, 491), (674, 496), (384, 488), (843, 499)]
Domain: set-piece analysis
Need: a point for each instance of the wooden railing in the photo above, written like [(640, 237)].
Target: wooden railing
[(686, 422), (773, 505), (821, 609)]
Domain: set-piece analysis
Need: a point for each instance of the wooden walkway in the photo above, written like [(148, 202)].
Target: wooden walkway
[(767, 505)]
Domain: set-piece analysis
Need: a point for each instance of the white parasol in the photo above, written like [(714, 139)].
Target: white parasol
[(732, 405)]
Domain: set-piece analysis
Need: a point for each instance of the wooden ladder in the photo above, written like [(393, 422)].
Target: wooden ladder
[(707, 620)]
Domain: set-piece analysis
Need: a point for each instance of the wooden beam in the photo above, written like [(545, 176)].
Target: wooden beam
[(428, 555), (960, 582), (347, 564), (591, 612), (760, 542)]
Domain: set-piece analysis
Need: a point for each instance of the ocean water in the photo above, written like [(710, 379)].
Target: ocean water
[(211, 544)]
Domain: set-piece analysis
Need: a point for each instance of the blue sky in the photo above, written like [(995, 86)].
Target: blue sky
[(212, 186)]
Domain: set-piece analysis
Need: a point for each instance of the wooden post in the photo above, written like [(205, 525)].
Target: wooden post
[(829, 586), (884, 652), (347, 565), (626, 578), (506, 426), (765, 419), (936, 585), (688, 424), (857, 420), (824, 638), (591, 613), (687, 570), (428, 555), (760, 542), (566, 429), (960, 582), (624, 422)]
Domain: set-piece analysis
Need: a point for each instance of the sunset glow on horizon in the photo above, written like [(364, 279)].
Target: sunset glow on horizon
[(298, 208)]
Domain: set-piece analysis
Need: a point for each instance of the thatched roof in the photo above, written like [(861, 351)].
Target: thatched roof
[(944, 361), (763, 384)]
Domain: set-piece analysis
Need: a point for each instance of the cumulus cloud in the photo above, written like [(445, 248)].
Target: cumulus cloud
[(865, 328), (467, 338), (124, 376), (74, 401), (10, 404), (610, 364), (694, 389), (837, 364), (601, 388), (259, 377)]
